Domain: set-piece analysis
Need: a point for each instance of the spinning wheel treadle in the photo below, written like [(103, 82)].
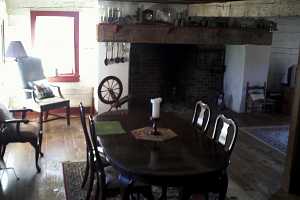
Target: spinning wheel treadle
[(110, 90)]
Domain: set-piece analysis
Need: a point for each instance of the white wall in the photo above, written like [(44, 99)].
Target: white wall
[(233, 76), (285, 48), (244, 63), (120, 70), (19, 29)]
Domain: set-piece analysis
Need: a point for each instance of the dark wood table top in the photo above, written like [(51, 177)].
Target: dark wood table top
[(181, 159)]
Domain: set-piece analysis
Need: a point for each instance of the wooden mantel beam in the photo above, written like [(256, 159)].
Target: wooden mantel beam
[(179, 1), (167, 34)]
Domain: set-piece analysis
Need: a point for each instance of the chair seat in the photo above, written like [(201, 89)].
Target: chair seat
[(47, 103), (28, 133)]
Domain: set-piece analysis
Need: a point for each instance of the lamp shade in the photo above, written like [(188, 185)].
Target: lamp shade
[(15, 50)]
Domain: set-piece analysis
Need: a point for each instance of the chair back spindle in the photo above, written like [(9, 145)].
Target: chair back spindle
[(225, 132), (84, 127), (99, 163), (201, 116)]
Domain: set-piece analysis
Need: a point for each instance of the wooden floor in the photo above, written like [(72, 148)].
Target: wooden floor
[(255, 170)]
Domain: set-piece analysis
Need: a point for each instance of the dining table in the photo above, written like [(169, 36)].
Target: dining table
[(189, 160)]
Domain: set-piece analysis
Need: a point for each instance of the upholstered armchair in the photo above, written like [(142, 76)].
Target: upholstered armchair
[(41, 96), (13, 130)]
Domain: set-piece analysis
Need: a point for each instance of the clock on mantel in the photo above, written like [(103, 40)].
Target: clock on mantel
[(147, 16)]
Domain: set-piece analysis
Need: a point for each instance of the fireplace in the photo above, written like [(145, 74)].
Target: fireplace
[(179, 73)]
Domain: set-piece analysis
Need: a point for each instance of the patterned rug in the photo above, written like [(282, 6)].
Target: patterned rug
[(275, 136), (73, 174)]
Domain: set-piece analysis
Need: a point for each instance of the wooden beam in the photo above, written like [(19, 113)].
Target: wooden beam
[(167, 34), (178, 1), (291, 176)]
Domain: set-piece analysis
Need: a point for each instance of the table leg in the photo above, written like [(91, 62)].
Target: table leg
[(163, 195), (224, 187), (125, 191), (185, 194)]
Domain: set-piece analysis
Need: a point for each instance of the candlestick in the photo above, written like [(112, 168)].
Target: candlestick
[(154, 126), (156, 107)]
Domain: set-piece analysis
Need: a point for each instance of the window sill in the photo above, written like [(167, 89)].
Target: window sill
[(74, 78)]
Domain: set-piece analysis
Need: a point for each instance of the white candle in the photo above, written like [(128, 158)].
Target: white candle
[(156, 107)]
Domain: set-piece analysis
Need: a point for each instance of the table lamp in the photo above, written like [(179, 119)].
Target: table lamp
[(15, 50)]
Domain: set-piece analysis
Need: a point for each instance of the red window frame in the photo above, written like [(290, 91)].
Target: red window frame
[(70, 77)]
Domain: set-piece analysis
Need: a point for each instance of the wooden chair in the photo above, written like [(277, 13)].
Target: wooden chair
[(224, 134), (32, 73), (256, 99), (14, 130), (89, 147), (201, 116), (109, 181)]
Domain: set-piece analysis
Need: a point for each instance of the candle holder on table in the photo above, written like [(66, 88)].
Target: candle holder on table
[(154, 131)]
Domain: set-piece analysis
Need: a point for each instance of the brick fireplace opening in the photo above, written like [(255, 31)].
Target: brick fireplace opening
[(181, 74)]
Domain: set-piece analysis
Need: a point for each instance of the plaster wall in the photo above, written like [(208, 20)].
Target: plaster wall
[(285, 49), (244, 63), (234, 75), (120, 70), (19, 28)]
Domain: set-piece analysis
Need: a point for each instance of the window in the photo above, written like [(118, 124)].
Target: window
[(55, 39)]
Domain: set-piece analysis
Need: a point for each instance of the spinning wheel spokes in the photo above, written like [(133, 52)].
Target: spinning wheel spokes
[(110, 90)]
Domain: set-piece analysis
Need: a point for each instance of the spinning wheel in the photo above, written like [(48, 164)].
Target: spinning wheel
[(110, 90)]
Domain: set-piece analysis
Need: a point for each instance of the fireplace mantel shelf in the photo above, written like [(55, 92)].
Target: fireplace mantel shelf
[(167, 34)]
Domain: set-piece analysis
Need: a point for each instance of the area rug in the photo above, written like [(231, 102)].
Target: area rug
[(73, 174), (274, 136)]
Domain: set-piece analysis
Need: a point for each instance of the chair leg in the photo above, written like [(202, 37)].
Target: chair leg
[(46, 115), (87, 170), (91, 182), (206, 195), (163, 195), (36, 147), (224, 187), (37, 155), (98, 186), (68, 114), (184, 194), (2, 152), (41, 120), (125, 191), (148, 193), (40, 140)]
